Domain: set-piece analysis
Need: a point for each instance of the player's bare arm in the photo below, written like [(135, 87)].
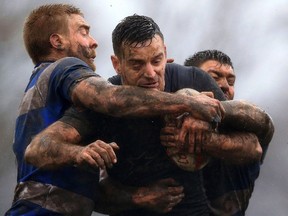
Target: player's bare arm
[(159, 197), (241, 118), (236, 147), (58, 146), (61, 141), (244, 116), (136, 101), (198, 137)]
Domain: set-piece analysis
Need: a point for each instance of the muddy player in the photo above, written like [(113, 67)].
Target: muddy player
[(235, 183)]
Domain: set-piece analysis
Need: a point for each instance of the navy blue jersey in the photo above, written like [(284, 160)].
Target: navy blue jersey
[(229, 187), (142, 159)]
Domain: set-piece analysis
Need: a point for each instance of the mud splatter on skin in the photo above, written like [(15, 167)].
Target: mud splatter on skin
[(133, 101)]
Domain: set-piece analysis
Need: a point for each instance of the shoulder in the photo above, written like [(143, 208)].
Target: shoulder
[(85, 121), (179, 76), (115, 80), (71, 61), (71, 64)]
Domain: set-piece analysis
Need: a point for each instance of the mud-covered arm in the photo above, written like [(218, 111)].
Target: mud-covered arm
[(196, 136), (58, 146), (241, 124), (234, 147), (243, 116), (99, 95), (160, 196)]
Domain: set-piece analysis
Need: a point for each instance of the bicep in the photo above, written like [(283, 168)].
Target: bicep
[(90, 93)]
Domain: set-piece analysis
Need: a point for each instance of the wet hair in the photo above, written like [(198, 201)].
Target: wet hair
[(41, 24), (134, 31), (202, 56)]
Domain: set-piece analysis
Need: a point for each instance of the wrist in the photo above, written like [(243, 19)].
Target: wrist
[(138, 197), (210, 142)]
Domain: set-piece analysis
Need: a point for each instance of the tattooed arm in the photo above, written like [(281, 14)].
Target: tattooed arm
[(58, 146), (160, 196), (244, 116), (97, 94), (243, 137), (245, 132), (196, 136)]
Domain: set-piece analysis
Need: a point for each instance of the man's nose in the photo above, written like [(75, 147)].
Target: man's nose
[(223, 84), (94, 43), (149, 71)]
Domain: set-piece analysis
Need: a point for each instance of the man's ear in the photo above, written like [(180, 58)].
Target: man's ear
[(116, 64), (56, 41), (168, 60)]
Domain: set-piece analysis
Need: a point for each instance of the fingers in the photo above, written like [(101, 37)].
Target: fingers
[(208, 93), (209, 109), (170, 60), (219, 115), (175, 193), (98, 154), (169, 136), (173, 201), (169, 130), (167, 193), (168, 143), (105, 152)]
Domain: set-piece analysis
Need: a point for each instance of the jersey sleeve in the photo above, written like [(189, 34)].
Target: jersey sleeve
[(67, 73), (86, 122), (115, 80)]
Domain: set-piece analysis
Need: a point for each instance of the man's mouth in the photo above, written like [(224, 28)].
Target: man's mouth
[(92, 58), (150, 85), (227, 96)]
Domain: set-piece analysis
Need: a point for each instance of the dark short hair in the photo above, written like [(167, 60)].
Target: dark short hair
[(136, 30), (41, 23), (202, 56)]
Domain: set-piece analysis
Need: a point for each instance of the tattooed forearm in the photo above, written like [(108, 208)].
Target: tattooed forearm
[(243, 116), (50, 148), (236, 147), (103, 97)]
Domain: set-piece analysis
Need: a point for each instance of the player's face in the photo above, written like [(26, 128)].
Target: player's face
[(223, 74), (143, 66), (80, 43)]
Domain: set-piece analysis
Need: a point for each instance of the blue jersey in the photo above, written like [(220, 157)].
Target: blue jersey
[(46, 98), (142, 159)]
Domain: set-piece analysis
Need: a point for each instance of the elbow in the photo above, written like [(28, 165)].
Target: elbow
[(32, 154), (258, 153), (28, 155)]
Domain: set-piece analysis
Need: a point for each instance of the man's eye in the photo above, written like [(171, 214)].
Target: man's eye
[(215, 77), (157, 61), (136, 67), (231, 82), (84, 31)]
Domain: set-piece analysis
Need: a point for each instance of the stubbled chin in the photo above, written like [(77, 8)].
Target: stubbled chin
[(92, 66)]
